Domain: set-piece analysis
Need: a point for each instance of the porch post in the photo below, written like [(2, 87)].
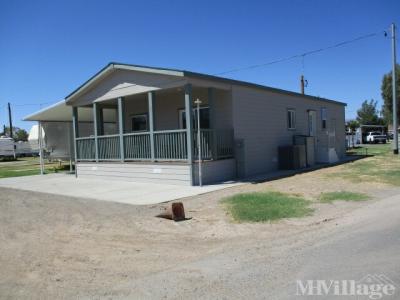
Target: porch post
[(150, 100), (211, 104), (121, 126), (189, 128), (75, 130), (101, 121), (96, 129), (41, 152)]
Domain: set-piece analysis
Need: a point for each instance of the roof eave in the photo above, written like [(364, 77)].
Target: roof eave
[(32, 116), (108, 68), (259, 86)]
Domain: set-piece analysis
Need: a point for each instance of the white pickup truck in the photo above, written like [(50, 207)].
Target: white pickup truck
[(376, 137)]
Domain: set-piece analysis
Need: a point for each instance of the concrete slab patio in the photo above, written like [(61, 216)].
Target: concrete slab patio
[(107, 190)]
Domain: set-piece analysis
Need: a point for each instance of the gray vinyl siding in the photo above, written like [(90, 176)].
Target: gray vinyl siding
[(223, 109), (260, 119)]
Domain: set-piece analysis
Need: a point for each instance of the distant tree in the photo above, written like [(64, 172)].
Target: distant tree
[(19, 134), (353, 125), (387, 95), (368, 114)]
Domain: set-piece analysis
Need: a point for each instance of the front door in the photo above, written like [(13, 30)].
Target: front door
[(312, 122)]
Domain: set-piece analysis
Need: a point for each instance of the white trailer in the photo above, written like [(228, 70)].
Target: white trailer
[(7, 147)]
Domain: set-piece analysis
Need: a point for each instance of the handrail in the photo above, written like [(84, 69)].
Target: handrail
[(137, 133), (107, 136), (169, 131), (84, 138)]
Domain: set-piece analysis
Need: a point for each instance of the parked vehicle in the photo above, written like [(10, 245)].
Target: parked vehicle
[(7, 147), (376, 137), (25, 149)]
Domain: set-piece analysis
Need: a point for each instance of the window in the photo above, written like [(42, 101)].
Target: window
[(139, 122), (324, 117), (204, 118), (291, 119)]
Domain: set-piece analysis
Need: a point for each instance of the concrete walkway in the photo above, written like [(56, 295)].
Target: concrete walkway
[(107, 190)]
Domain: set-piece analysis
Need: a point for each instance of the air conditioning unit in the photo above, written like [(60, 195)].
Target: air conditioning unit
[(309, 143), (292, 157)]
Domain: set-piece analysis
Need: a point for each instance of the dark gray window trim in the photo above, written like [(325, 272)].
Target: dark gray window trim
[(140, 115), (326, 118), (289, 109), (180, 110)]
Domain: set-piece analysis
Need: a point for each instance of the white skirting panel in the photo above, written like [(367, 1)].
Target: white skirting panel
[(167, 173), (216, 171)]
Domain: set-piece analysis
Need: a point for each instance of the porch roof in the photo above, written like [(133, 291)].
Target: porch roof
[(184, 74), (61, 112)]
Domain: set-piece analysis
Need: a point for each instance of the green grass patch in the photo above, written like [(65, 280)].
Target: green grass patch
[(268, 206), (373, 149), (382, 166), (28, 166), (343, 196)]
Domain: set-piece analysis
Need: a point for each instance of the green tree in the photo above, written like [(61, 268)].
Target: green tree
[(387, 95), (368, 114), (19, 134), (353, 125)]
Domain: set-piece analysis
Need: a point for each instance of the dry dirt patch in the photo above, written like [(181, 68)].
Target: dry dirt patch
[(52, 245)]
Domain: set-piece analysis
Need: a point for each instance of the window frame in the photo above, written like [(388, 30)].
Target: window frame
[(182, 111), (291, 114), (324, 118), (146, 115)]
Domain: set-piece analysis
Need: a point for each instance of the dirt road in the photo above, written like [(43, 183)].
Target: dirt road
[(58, 247)]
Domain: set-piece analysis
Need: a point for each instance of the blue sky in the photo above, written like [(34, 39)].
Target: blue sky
[(48, 48)]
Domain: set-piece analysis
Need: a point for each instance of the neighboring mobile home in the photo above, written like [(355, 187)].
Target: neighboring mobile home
[(154, 137)]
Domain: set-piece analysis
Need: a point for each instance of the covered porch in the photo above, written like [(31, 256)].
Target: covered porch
[(159, 127)]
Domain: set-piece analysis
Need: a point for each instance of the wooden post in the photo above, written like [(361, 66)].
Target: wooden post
[(150, 100), (189, 128), (75, 130), (121, 126), (95, 129)]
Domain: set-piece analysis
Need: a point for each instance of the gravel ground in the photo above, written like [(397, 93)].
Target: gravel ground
[(60, 247)]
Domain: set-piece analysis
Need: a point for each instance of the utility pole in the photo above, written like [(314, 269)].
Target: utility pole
[(10, 119), (395, 124), (302, 84)]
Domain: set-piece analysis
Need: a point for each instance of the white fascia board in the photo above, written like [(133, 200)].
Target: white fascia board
[(36, 115), (149, 70)]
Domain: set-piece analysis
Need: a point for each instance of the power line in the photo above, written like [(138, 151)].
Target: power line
[(302, 55), (280, 60), (33, 104)]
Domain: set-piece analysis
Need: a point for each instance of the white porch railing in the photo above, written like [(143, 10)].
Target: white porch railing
[(109, 148), (169, 145), (85, 148), (137, 146)]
